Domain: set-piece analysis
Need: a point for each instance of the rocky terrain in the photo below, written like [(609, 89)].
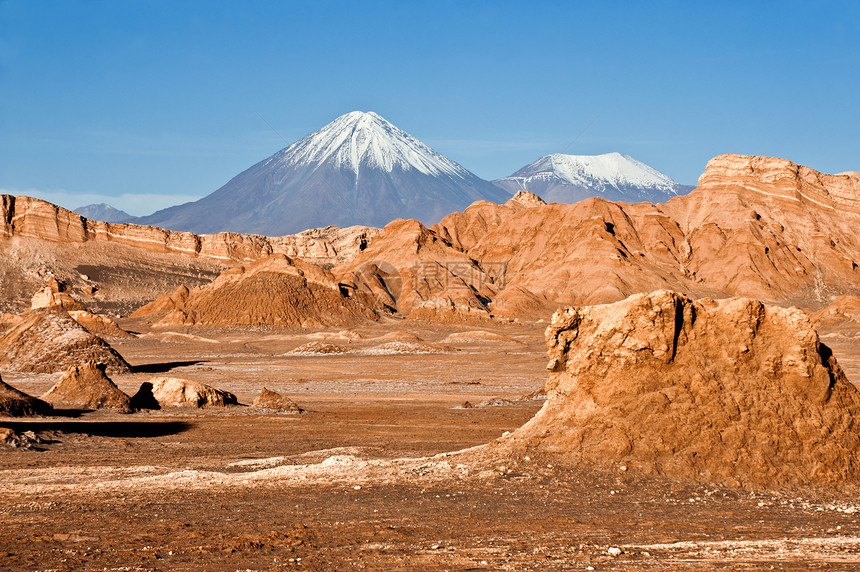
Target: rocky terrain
[(387, 405)]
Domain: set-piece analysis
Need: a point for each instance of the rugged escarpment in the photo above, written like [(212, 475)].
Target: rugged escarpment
[(759, 227), (729, 391), (275, 291), (756, 226)]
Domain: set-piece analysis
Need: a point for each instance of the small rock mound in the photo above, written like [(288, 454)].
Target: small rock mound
[(274, 401), (55, 295), (48, 340), (315, 348), (843, 309), (394, 348), (477, 336), (171, 391), (526, 199), (16, 403), (401, 337), (729, 391), (87, 387)]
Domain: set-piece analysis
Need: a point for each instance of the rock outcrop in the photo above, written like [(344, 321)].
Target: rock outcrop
[(729, 391), (275, 291), (175, 392), (87, 387), (48, 340), (274, 401), (14, 403)]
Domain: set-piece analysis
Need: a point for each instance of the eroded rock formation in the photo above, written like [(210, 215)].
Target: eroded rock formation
[(728, 391), (275, 291), (174, 392), (48, 340), (87, 386)]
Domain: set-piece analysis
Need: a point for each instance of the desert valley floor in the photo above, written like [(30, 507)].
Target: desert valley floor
[(368, 476)]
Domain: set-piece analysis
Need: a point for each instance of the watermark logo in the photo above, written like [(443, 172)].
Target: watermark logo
[(382, 279), (461, 274)]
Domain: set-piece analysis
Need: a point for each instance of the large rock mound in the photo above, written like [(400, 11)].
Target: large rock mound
[(729, 391), (16, 403), (87, 387), (48, 340), (274, 291)]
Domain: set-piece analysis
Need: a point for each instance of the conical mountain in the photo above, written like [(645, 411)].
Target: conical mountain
[(569, 179), (357, 170)]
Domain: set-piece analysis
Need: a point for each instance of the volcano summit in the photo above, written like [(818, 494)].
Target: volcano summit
[(357, 170)]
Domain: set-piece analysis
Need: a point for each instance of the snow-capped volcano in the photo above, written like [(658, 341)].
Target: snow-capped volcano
[(360, 139), (613, 176), (358, 169)]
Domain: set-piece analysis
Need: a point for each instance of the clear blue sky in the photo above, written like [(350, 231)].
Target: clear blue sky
[(150, 103)]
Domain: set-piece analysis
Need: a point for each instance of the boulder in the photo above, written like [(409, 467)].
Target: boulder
[(171, 391)]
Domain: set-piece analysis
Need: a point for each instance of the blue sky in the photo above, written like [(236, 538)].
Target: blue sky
[(144, 104)]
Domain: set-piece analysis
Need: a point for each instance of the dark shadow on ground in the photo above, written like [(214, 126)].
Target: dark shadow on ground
[(163, 367), (124, 429)]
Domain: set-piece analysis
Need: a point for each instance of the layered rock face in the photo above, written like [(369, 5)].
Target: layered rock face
[(87, 386), (48, 340), (729, 391), (275, 291), (34, 218)]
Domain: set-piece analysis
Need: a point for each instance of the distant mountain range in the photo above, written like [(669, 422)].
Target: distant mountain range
[(571, 178), (362, 170)]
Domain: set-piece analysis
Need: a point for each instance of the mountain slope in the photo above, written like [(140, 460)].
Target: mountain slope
[(359, 169), (104, 212), (571, 178)]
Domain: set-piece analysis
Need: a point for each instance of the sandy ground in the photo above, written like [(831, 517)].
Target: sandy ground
[(383, 471)]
